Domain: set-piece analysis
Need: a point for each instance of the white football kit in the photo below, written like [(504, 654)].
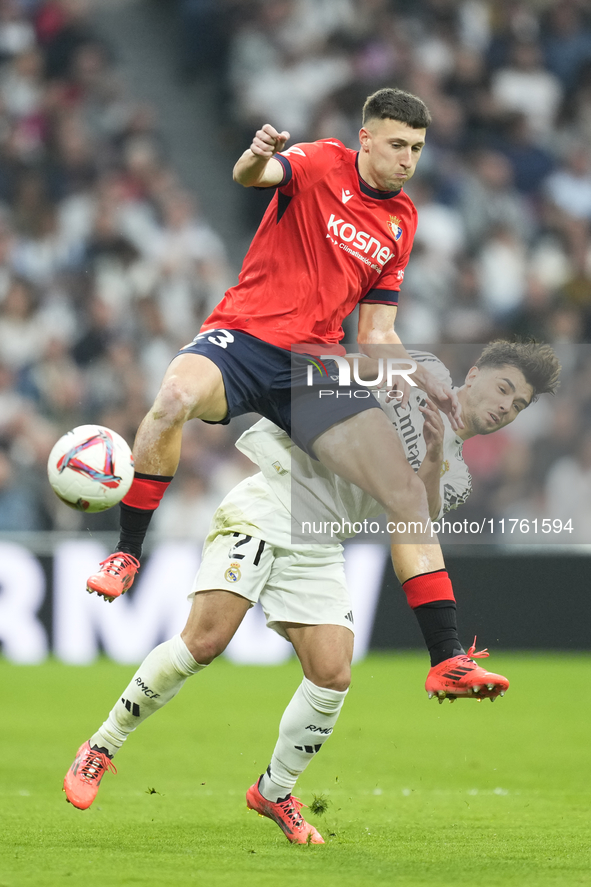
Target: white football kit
[(250, 549)]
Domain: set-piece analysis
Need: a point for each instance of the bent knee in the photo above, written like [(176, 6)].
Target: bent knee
[(203, 648), (174, 402), (339, 679)]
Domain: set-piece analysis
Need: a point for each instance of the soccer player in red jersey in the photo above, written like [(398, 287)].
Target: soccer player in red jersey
[(328, 242), (337, 234)]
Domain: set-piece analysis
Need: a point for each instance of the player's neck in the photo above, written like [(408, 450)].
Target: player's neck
[(365, 173)]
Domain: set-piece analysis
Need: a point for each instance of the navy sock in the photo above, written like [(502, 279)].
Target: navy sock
[(134, 526), (437, 621)]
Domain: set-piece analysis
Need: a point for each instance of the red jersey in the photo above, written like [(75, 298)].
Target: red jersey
[(327, 241)]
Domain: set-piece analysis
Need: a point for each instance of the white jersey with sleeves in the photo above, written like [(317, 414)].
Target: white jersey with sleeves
[(298, 484), (456, 483)]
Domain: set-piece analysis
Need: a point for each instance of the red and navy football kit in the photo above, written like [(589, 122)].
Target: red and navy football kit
[(328, 241)]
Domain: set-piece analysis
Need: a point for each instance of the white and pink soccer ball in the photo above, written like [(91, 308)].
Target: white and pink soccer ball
[(90, 468)]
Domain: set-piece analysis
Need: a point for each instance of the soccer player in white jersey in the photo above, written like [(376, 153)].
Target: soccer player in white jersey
[(249, 555)]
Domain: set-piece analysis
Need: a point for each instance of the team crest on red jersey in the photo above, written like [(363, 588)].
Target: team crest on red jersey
[(393, 224)]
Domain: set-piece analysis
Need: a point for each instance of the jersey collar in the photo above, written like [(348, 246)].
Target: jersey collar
[(373, 192)]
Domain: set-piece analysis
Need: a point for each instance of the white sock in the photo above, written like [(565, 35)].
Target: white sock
[(306, 724), (160, 677)]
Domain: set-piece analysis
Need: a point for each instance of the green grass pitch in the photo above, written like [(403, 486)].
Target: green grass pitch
[(419, 793)]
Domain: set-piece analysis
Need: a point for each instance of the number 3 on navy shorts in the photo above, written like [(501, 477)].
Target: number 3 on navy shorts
[(223, 337)]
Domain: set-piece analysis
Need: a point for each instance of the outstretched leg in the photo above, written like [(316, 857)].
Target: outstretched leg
[(213, 620), (366, 450), (192, 388)]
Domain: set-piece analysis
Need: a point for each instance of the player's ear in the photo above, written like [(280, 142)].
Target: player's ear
[(471, 375), (364, 137)]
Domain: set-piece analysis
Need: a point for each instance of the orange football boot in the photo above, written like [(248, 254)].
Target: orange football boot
[(81, 782), (115, 576), (287, 816), (461, 677)]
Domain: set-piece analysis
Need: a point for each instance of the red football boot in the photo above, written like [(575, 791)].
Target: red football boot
[(115, 576), (287, 816), (461, 677), (81, 782)]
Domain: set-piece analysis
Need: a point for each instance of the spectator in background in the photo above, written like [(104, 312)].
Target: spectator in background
[(294, 86), (13, 406), (568, 492), (431, 281), (574, 120), (466, 320), (568, 191), (469, 84), (72, 166), (190, 262), (565, 324), (525, 86), (567, 42), (531, 317), (21, 330), (57, 383), (530, 162), (21, 87), (6, 247), (488, 200), (62, 27), (502, 274), (203, 37), (515, 493), (18, 508), (16, 33)]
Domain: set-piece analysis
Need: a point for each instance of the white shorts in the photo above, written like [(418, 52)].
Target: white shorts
[(306, 586)]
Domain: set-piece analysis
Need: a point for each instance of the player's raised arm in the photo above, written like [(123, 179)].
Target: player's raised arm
[(376, 330), (257, 166)]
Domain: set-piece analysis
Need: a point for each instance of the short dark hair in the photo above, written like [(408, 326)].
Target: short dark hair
[(537, 361), (396, 104)]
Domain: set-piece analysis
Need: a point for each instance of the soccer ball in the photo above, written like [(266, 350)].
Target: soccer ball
[(90, 468)]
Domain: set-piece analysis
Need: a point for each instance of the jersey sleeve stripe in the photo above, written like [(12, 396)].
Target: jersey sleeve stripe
[(380, 297), (287, 171)]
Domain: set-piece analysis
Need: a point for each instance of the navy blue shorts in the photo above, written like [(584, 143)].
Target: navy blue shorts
[(262, 378)]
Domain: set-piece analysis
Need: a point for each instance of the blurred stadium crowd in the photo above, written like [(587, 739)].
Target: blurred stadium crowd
[(108, 264)]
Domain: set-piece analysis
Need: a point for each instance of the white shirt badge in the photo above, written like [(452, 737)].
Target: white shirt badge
[(346, 195)]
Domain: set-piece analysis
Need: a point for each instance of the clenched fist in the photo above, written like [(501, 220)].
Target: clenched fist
[(268, 141)]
